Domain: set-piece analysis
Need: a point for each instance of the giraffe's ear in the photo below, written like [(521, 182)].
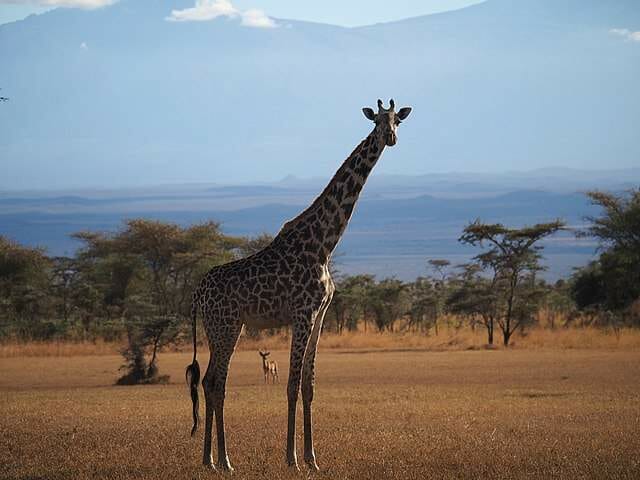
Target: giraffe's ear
[(368, 112), (403, 113)]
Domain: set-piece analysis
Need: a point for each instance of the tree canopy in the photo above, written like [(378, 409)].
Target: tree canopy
[(612, 282), (511, 259)]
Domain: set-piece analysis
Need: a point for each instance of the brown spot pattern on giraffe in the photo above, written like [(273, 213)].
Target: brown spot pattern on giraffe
[(288, 282)]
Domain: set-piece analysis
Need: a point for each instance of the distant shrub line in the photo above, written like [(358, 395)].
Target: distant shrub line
[(133, 287)]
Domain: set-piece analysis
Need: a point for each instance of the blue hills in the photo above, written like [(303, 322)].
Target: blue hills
[(388, 235)]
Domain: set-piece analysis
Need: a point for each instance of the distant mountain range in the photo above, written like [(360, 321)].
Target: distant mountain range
[(120, 96), (399, 223)]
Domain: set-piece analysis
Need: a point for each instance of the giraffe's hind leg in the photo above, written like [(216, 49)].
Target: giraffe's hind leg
[(207, 383), (223, 348)]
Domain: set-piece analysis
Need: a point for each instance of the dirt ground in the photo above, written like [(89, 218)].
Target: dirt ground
[(565, 414)]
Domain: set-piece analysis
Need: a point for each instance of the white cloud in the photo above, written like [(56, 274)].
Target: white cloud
[(623, 32), (205, 10), (83, 46), (257, 18), (87, 4), (626, 34)]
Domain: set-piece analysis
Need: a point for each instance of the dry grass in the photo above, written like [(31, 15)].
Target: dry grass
[(57, 349), (448, 339), (451, 339), (464, 414)]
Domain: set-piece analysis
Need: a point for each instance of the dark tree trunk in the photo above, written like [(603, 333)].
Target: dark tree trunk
[(153, 370), (506, 337)]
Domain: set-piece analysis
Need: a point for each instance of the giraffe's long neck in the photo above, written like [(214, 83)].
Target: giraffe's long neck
[(318, 229)]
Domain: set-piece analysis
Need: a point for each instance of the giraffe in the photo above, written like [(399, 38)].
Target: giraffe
[(286, 283), (269, 367)]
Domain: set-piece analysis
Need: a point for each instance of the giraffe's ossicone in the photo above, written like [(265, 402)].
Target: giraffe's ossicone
[(286, 283)]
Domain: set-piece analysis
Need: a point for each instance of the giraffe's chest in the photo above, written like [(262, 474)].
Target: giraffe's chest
[(274, 301)]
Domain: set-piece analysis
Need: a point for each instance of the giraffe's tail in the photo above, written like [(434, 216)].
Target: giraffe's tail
[(193, 372)]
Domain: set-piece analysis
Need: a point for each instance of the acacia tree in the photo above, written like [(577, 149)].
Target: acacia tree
[(511, 259), (149, 270), (349, 301), (249, 246), (612, 283), (440, 267), (423, 313), (64, 275), (474, 296), (24, 291), (388, 302)]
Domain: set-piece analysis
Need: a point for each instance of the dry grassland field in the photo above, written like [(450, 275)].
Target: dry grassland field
[(565, 414)]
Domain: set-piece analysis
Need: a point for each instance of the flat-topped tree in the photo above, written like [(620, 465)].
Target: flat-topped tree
[(145, 274), (512, 258)]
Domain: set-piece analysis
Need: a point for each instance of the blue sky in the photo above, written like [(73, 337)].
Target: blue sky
[(337, 12), (179, 91)]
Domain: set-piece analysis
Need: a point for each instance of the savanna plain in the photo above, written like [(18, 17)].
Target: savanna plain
[(379, 413)]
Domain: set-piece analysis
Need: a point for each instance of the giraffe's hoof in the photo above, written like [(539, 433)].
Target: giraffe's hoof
[(311, 463), (209, 466), (293, 465), (225, 467)]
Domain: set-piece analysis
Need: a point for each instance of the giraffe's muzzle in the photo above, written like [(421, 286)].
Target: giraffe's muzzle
[(391, 139)]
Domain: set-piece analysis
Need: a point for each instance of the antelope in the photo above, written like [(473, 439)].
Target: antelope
[(269, 367)]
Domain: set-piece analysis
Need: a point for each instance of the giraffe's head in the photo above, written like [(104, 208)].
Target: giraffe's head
[(264, 354), (387, 120)]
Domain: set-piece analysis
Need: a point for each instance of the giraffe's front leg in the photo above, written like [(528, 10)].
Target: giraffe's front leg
[(308, 377), (301, 331)]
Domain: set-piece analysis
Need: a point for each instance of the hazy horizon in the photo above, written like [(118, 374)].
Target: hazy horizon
[(555, 171)]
